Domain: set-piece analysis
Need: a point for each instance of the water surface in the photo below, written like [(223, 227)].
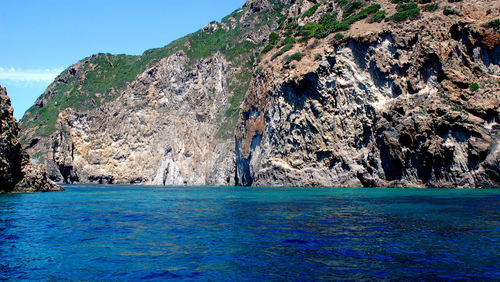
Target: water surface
[(93, 232)]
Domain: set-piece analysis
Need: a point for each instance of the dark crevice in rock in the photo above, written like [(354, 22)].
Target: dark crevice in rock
[(33, 143), (242, 172)]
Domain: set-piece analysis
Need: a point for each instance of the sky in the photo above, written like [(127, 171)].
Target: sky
[(39, 39)]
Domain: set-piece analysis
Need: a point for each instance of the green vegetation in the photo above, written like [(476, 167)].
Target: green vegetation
[(342, 3), (105, 76), (286, 48), (338, 36), (295, 57), (287, 41), (448, 11), (311, 10), (431, 7), (377, 17), (493, 24), (402, 1), (351, 7), (406, 11), (367, 11), (286, 45), (268, 48), (474, 87), (273, 38), (290, 27), (308, 30), (329, 24)]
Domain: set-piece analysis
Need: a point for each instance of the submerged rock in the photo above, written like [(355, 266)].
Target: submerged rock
[(17, 174)]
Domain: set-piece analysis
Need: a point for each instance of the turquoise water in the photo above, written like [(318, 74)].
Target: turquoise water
[(153, 233)]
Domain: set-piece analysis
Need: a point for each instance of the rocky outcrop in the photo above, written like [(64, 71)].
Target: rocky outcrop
[(390, 107), (17, 174)]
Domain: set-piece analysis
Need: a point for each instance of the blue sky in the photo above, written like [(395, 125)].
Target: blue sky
[(39, 39)]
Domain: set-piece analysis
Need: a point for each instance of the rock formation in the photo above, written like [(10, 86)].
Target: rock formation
[(159, 131), (172, 124), (288, 93), (17, 174), (391, 105)]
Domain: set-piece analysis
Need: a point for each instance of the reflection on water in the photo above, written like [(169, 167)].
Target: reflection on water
[(126, 232)]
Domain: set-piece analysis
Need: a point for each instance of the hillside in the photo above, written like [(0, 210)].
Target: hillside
[(330, 93)]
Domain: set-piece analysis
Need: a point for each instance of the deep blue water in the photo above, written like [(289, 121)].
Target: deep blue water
[(153, 233)]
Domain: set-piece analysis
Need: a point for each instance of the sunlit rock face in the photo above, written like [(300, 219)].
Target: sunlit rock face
[(160, 131)]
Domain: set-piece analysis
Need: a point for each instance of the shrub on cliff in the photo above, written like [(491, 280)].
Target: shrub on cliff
[(273, 38), (432, 7), (351, 7), (311, 11), (493, 24), (377, 17), (406, 11), (474, 87), (289, 42), (295, 57)]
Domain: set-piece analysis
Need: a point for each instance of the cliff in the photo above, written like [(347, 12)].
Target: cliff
[(288, 93), (400, 103), (17, 174)]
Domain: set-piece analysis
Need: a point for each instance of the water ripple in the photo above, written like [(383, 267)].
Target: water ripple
[(130, 233)]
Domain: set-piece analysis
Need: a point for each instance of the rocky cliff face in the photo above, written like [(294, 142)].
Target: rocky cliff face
[(288, 93), (17, 174), (395, 104), (161, 130)]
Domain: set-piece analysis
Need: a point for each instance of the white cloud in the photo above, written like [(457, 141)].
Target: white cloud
[(33, 75)]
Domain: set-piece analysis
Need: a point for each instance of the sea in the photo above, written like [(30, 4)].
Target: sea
[(124, 232)]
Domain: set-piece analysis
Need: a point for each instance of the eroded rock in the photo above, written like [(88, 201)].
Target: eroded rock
[(17, 174)]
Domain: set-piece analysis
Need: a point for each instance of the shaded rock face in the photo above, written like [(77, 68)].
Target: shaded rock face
[(160, 131), (386, 109), (17, 174)]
